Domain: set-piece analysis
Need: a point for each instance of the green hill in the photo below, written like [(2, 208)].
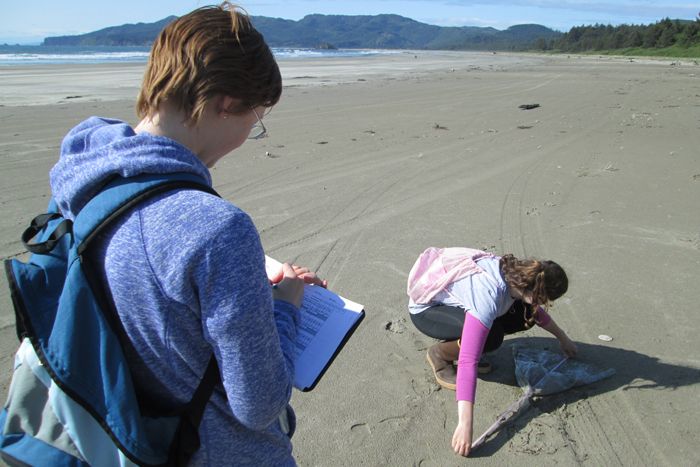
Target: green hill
[(127, 34), (378, 31)]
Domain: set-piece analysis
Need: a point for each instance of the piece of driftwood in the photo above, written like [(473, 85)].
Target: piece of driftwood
[(541, 373)]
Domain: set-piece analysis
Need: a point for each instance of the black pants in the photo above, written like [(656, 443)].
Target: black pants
[(446, 323)]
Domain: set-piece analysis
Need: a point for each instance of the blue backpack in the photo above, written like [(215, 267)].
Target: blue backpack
[(72, 400)]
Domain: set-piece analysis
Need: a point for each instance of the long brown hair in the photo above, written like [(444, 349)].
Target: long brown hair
[(213, 50), (545, 280)]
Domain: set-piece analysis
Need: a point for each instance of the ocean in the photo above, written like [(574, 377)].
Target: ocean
[(16, 55)]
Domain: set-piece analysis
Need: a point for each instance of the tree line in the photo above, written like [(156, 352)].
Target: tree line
[(663, 34)]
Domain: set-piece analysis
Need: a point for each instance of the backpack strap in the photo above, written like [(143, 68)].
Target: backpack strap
[(117, 198), (123, 194), (37, 225), (186, 440)]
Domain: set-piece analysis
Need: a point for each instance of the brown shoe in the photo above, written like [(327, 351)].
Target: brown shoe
[(441, 357)]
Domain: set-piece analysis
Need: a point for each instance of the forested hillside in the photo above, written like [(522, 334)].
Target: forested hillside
[(665, 34), (339, 31)]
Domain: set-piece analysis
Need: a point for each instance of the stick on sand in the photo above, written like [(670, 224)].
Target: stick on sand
[(513, 409)]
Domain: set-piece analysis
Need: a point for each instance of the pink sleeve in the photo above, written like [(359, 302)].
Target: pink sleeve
[(474, 336), (543, 317)]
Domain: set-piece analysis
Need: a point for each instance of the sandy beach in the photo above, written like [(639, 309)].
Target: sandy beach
[(371, 160)]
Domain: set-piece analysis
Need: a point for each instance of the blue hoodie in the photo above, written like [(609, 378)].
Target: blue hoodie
[(186, 272)]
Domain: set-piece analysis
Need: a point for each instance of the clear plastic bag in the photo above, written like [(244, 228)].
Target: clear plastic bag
[(541, 372)]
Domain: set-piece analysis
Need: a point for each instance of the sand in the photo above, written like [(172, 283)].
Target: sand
[(369, 161)]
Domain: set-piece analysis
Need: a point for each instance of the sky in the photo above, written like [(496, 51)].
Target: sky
[(28, 22)]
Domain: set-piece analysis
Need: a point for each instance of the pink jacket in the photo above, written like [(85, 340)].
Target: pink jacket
[(436, 268)]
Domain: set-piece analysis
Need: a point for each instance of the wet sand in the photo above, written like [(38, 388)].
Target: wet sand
[(371, 160)]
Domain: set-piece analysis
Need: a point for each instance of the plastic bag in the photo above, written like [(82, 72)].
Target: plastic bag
[(541, 372)]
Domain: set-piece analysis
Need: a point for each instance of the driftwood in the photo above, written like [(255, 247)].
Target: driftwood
[(514, 409), (511, 413), (550, 376)]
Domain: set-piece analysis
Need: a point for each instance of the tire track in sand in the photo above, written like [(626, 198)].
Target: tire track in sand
[(605, 430)]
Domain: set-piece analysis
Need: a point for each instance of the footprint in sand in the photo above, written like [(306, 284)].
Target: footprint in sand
[(359, 433), (426, 463), (419, 345), (395, 422), (424, 387), (397, 326)]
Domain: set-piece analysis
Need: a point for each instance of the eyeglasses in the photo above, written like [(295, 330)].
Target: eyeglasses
[(258, 131)]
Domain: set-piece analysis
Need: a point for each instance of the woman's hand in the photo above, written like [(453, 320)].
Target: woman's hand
[(568, 346), (303, 273), (289, 287), (309, 277), (462, 437)]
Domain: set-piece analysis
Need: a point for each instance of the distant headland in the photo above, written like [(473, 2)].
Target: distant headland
[(340, 31), (665, 37)]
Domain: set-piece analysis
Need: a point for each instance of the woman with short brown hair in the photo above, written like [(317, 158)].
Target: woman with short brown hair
[(185, 269)]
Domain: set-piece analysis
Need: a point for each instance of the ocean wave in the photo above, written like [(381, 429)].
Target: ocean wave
[(282, 53), (28, 58), (28, 55), (57, 55)]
